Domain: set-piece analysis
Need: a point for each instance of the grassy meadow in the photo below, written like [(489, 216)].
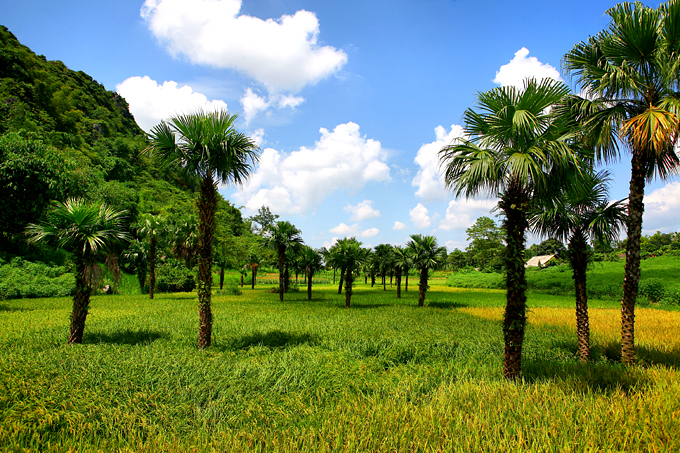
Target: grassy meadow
[(302, 375)]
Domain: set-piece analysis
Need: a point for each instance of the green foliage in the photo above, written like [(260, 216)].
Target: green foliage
[(23, 279), (230, 289), (486, 246), (651, 290), (173, 276)]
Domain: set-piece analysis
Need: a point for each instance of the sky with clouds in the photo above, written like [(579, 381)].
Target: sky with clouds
[(349, 101)]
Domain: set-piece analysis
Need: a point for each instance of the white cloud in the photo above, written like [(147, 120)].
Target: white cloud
[(362, 211), (428, 180), (258, 137), (369, 233), (452, 245), (297, 182), (662, 209), (150, 102), (283, 54), (523, 66), (419, 216), (399, 226), (461, 214), (327, 245), (345, 230), (253, 104)]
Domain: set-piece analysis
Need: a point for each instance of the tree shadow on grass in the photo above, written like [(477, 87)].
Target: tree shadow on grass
[(611, 352), (5, 307), (360, 306), (446, 305), (271, 339), (129, 337)]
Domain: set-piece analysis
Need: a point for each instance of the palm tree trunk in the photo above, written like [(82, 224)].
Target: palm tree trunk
[(513, 205), (348, 286), (207, 206), (282, 257), (286, 279), (631, 278), (399, 283), (222, 278), (309, 283), (406, 284), (342, 280), (81, 300), (384, 280), (422, 287), (578, 257), (254, 277), (391, 277), (372, 279), (152, 266)]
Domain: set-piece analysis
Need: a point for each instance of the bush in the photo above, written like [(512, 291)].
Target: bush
[(172, 276), (24, 279), (229, 290), (671, 298), (653, 289)]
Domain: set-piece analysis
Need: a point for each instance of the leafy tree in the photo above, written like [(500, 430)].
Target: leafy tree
[(427, 255), (281, 236), (206, 146), (403, 261), (137, 256), (516, 147), (350, 255), (383, 259), (312, 262), (550, 246), (457, 260), (263, 220), (580, 214), (87, 231), (485, 241), (630, 72), (152, 227)]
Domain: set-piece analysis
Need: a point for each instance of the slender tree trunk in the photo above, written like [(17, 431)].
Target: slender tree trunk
[(406, 284), (422, 287), (578, 256), (334, 276), (631, 279), (241, 282), (254, 271), (342, 279), (222, 278), (348, 286), (309, 276), (207, 206), (152, 266), (391, 277), (372, 279), (286, 279), (296, 276), (282, 258), (514, 204), (365, 279), (81, 300), (384, 281), (399, 283)]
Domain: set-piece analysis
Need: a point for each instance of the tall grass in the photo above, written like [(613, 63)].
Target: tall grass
[(382, 376)]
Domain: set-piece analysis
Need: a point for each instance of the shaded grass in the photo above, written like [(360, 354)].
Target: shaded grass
[(384, 375)]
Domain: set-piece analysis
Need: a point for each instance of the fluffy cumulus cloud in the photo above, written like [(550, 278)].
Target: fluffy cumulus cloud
[(461, 214), (295, 183), (523, 66), (345, 230), (362, 211), (151, 102), (283, 54), (419, 216), (399, 226), (662, 209), (428, 180), (253, 104), (371, 232)]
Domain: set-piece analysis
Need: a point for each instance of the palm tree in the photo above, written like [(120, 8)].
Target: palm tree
[(350, 256), (206, 146), (152, 227), (516, 145), (281, 236), (579, 215), (312, 263), (428, 256), (86, 230), (137, 254), (383, 257), (402, 263), (630, 72)]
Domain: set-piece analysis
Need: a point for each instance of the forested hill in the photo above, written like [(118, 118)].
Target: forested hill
[(62, 134)]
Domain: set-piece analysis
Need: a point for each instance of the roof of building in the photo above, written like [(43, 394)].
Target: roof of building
[(537, 261)]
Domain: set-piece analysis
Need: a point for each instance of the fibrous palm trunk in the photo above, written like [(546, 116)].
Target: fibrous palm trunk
[(282, 258), (309, 283), (514, 204), (422, 287), (631, 279), (286, 279), (252, 283), (348, 286), (342, 279), (399, 283), (222, 278), (578, 257), (406, 283), (207, 206), (152, 266), (81, 300)]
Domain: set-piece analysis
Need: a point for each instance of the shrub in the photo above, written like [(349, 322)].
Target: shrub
[(652, 288), (671, 298), (172, 276), (229, 290)]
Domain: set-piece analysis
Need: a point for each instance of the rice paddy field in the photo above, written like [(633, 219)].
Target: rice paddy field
[(312, 376)]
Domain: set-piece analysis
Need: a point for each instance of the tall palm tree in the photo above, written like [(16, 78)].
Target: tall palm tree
[(281, 236), (86, 230), (206, 146), (402, 263), (630, 72), (152, 227), (427, 256), (312, 263), (350, 256), (576, 216), (383, 257), (516, 145)]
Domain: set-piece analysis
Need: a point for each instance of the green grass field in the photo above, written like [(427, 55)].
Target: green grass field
[(383, 376)]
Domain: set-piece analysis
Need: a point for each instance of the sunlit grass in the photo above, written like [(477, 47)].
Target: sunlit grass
[(312, 376)]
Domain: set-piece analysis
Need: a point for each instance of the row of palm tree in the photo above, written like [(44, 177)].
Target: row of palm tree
[(529, 147)]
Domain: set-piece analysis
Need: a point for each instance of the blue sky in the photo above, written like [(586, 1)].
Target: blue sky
[(350, 100)]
